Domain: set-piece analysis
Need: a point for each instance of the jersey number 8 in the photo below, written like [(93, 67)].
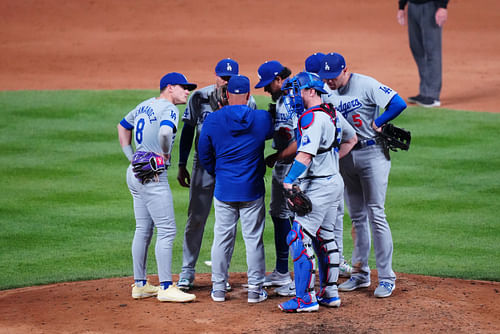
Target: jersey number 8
[(138, 131)]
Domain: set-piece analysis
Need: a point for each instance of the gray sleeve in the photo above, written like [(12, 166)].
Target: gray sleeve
[(380, 94), (251, 102), (190, 115), (347, 130), (130, 117)]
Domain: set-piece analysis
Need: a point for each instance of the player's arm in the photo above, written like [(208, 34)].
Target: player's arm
[(206, 154), (346, 146), (349, 137), (125, 138), (165, 136), (395, 107), (288, 153), (185, 145), (299, 166)]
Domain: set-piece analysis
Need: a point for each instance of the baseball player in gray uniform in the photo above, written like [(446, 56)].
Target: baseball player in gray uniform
[(272, 76), (366, 169), (154, 125), (313, 64), (315, 169), (201, 103)]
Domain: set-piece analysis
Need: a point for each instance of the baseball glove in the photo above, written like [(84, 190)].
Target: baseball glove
[(147, 166), (297, 201), (396, 138), (218, 98)]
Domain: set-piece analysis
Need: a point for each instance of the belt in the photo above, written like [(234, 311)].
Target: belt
[(367, 142), (310, 177)]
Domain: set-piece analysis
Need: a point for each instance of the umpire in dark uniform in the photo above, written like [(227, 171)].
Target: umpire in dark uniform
[(425, 24)]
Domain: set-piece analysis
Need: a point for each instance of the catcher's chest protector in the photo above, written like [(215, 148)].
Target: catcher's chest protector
[(328, 109)]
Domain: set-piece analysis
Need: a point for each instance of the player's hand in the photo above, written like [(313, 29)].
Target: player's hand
[(401, 17), (183, 176), (270, 160), (441, 16), (376, 128), (287, 185)]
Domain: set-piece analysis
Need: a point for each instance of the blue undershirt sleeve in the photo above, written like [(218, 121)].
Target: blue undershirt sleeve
[(186, 142), (393, 109)]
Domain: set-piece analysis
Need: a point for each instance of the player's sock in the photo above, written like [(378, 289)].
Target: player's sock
[(140, 283), (281, 230), (165, 285)]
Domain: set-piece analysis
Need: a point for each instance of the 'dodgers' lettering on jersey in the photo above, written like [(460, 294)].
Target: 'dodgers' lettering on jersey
[(347, 107), (148, 111)]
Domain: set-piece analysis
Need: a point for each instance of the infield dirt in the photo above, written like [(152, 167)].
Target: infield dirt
[(88, 44)]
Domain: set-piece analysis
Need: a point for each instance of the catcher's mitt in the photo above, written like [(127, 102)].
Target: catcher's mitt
[(396, 138), (147, 166), (218, 98), (297, 201)]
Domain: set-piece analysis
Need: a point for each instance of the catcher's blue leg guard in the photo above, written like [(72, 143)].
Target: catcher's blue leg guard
[(329, 261), (303, 265)]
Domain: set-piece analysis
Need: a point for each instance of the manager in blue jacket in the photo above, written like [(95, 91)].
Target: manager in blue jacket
[(231, 147)]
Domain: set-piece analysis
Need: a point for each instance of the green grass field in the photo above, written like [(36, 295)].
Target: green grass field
[(66, 213)]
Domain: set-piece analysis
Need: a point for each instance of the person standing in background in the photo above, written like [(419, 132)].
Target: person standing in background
[(425, 25)]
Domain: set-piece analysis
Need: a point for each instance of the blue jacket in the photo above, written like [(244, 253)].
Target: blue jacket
[(231, 147)]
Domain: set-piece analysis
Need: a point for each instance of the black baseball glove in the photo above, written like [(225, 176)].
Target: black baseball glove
[(218, 98), (395, 138), (297, 201)]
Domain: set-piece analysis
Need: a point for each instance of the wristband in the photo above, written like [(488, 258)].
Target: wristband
[(295, 171), (128, 151)]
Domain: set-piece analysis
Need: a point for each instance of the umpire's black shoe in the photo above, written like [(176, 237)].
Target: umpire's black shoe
[(428, 102), (414, 99)]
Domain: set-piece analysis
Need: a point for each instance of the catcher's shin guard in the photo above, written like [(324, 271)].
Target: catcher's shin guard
[(328, 261), (303, 263)]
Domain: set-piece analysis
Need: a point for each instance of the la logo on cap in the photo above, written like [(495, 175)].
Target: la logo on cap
[(327, 68), (228, 67)]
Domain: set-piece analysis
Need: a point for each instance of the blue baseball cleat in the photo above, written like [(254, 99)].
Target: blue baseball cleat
[(329, 301), (298, 305)]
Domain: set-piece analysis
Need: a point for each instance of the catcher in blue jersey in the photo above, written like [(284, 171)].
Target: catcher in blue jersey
[(153, 123), (315, 172), (366, 169), (201, 184)]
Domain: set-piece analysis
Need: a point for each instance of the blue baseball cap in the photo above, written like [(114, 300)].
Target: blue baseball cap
[(227, 67), (313, 62), (268, 72), (238, 84), (331, 66), (174, 78)]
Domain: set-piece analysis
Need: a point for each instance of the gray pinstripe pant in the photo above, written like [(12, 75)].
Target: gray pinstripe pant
[(425, 44)]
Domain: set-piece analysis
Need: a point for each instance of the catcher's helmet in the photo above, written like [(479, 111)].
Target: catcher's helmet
[(303, 80)]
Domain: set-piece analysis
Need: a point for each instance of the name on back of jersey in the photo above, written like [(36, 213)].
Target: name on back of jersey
[(148, 111)]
